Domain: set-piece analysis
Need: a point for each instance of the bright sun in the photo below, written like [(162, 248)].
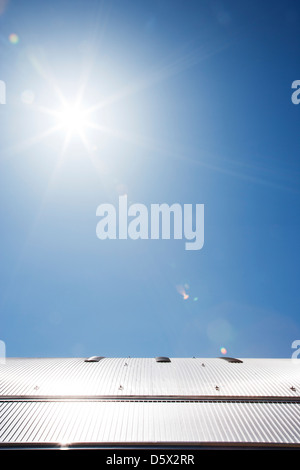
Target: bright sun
[(72, 118)]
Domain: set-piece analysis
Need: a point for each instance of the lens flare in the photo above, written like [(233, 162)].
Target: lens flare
[(27, 97), (182, 291), (13, 38), (223, 350)]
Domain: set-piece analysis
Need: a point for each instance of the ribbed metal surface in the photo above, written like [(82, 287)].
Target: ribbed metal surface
[(146, 377), (149, 422)]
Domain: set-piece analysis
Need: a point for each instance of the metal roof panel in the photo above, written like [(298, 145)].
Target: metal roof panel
[(145, 377), (66, 422)]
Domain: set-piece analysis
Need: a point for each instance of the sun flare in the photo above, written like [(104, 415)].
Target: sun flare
[(72, 118)]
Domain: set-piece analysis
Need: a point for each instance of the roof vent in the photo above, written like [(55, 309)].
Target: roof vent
[(231, 359), (162, 359), (94, 359)]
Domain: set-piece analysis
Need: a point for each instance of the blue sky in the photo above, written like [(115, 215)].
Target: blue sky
[(191, 104)]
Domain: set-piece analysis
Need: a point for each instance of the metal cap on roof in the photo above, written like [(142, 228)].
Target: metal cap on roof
[(232, 359), (94, 359), (162, 359)]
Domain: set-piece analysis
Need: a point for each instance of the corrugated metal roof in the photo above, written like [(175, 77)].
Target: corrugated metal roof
[(146, 377), (148, 422), (140, 401)]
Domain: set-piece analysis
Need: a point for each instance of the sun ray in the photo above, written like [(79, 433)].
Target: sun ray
[(177, 63), (32, 140)]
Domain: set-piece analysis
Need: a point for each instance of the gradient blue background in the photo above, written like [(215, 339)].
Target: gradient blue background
[(197, 95)]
